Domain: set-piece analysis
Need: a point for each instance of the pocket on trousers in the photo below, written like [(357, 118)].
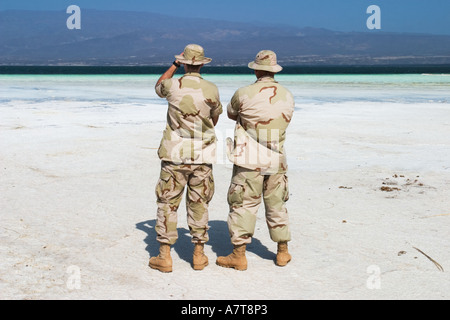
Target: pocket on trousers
[(202, 184), (165, 184), (286, 188), (236, 195), (211, 189)]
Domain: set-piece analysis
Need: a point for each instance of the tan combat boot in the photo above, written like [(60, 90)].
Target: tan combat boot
[(163, 262), (236, 259), (283, 256), (200, 260)]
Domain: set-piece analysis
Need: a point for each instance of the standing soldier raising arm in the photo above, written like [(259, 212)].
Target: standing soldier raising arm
[(187, 152)]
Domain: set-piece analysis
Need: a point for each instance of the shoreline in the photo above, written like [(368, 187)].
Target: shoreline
[(231, 70)]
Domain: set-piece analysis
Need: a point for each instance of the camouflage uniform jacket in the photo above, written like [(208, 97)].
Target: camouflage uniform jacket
[(189, 137), (264, 111)]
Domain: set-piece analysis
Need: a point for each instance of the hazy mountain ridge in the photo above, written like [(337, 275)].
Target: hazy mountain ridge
[(142, 38)]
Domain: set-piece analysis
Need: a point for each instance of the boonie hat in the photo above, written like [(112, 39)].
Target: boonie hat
[(266, 60), (193, 55)]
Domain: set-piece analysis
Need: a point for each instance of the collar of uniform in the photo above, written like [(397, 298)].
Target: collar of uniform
[(266, 79), (192, 74)]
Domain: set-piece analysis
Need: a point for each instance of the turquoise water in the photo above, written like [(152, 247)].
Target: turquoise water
[(307, 89)]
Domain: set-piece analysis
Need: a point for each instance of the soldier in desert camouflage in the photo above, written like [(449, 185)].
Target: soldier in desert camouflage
[(262, 112), (187, 152)]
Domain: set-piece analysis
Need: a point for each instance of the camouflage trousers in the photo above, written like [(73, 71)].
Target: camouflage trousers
[(169, 192), (244, 198)]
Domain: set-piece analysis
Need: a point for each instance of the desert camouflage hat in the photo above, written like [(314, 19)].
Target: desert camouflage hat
[(266, 60), (193, 55)]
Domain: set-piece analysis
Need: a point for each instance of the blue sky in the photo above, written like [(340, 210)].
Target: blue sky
[(415, 16)]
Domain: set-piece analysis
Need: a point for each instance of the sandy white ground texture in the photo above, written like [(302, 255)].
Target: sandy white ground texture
[(369, 185)]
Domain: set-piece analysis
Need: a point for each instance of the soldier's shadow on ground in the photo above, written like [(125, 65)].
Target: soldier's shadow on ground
[(219, 241)]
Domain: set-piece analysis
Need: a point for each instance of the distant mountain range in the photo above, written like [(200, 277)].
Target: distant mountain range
[(142, 38)]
